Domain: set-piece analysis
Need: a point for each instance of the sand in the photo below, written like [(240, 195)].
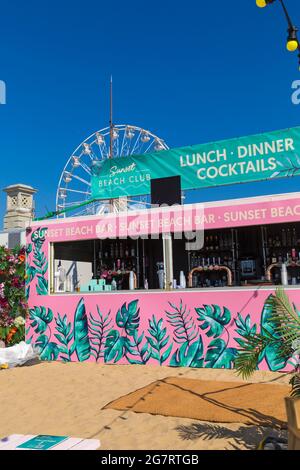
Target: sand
[(67, 399)]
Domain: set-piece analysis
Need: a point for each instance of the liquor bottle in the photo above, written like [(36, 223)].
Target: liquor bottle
[(132, 251), (294, 256), (126, 251), (211, 243), (277, 242), (274, 258)]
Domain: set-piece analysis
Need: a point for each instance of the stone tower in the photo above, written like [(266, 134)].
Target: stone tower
[(19, 207)]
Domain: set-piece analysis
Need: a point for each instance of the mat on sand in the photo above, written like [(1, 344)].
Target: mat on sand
[(220, 402)]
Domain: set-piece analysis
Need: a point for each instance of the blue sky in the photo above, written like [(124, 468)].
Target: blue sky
[(190, 71)]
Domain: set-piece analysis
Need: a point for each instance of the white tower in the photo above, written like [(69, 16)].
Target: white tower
[(19, 207)]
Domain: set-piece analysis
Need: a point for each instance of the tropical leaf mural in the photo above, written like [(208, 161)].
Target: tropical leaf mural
[(37, 266), (64, 335), (188, 355), (40, 318), (114, 347), (218, 356), (82, 345), (158, 341), (213, 319), (182, 321), (202, 339), (99, 328)]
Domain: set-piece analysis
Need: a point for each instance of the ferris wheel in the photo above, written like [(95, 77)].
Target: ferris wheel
[(119, 141)]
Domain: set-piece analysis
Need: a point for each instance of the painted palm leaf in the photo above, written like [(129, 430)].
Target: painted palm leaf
[(184, 326), (213, 319), (81, 333)]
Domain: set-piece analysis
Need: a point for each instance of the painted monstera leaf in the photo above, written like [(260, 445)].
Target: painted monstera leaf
[(218, 356), (188, 355), (274, 360), (40, 318), (48, 351), (81, 333), (128, 317), (213, 318), (114, 347)]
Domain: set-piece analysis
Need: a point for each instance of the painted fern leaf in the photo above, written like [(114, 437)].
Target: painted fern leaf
[(182, 321), (98, 329), (64, 335), (159, 341)]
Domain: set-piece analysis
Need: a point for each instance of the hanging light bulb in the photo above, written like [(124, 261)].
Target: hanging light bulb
[(115, 134), (129, 133), (87, 149), (99, 138), (292, 43), (263, 3), (159, 146), (145, 137), (68, 177), (76, 162)]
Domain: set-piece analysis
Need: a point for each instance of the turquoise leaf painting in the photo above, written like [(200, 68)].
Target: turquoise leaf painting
[(40, 317), (213, 318), (81, 333), (218, 356), (188, 355), (159, 341), (128, 318), (114, 347)]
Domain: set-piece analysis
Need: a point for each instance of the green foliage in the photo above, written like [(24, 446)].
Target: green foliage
[(13, 305), (64, 336), (98, 329), (218, 356), (280, 327), (244, 328), (158, 340), (213, 318), (184, 327), (188, 355), (48, 351), (81, 337)]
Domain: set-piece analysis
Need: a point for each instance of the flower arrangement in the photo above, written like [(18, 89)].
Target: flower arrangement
[(13, 304)]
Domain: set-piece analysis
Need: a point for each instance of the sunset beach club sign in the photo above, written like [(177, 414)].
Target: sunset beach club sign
[(241, 160)]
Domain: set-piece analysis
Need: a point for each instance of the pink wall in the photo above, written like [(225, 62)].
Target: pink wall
[(199, 330)]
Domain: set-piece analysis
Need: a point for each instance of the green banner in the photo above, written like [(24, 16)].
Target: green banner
[(242, 160)]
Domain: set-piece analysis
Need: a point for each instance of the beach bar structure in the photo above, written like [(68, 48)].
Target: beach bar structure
[(179, 286)]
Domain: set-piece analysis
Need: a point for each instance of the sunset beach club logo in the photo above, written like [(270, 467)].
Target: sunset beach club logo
[(2, 92)]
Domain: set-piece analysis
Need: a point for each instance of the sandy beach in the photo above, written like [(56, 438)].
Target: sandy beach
[(68, 399)]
